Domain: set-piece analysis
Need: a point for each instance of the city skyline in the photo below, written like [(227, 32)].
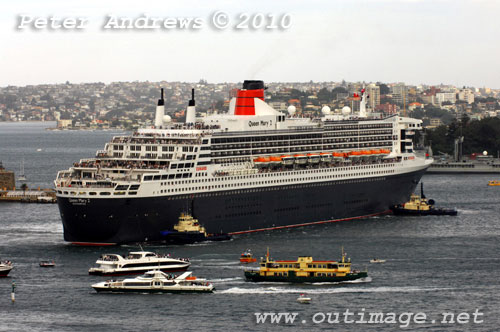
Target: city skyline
[(411, 41)]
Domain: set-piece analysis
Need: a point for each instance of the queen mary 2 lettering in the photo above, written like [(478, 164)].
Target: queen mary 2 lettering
[(249, 170)]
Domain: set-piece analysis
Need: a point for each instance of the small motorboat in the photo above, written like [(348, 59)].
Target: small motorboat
[(47, 263), (304, 299), (494, 183), (377, 261), (156, 282), (247, 257), (5, 268)]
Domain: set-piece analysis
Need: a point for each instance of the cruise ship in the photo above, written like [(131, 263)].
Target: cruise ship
[(251, 169)]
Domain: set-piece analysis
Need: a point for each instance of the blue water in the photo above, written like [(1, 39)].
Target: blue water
[(434, 264)]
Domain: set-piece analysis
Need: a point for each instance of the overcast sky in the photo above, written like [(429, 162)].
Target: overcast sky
[(412, 41)]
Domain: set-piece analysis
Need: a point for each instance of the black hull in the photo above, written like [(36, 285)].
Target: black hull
[(256, 277), (432, 212), (129, 220), (4, 273), (190, 238)]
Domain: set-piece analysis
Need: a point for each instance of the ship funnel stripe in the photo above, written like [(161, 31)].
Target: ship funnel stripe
[(245, 104)]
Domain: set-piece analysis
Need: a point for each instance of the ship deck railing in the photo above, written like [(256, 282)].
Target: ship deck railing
[(120, 164)]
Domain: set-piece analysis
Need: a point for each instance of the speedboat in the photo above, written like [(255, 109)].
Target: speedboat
[(47, 264), (138, 262), (157, 282), (377, 261), (304, 299), (247, 257), (5, 268)]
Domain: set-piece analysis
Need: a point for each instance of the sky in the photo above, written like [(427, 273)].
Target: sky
[(412, 41)]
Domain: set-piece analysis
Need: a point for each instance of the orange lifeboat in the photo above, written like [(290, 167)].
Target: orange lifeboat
[(262, 161), (287, 160), (354, 155), (313, 158), (326, 156), (300, 159), (365, 154), (340, 156)]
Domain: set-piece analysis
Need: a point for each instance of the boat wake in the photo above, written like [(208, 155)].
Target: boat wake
[(286, 290), (357, 281), (222, 280)]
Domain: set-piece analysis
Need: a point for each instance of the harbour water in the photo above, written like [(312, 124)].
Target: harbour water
[(435, 264)]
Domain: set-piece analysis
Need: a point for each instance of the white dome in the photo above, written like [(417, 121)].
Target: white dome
[(167, 118), (485, 153), (346, 110), (291, 110), (325, 110)]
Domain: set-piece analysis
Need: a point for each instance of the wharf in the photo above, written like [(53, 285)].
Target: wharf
[(28, 196), (466, 167)]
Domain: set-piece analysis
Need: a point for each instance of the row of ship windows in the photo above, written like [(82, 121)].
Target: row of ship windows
[(256, 190), (244, 184), (304, 142), (170, 148), (302, 149), (271, 174), (332, 130), (93, 193)]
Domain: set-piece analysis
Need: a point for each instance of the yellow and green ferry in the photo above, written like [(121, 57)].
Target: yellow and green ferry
[(304, 269)]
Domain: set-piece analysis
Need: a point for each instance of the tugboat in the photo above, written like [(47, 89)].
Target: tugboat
[(188, 230), (420, 206), (304, 269), (137, 262), (5, 268), (156, 282), (247, 257)]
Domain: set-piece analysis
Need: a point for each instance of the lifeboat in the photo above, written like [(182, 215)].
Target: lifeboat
[(384, 152), (326, 157), (313, 158), (365, 155), (376, 154), (262, 161), (275, 160), (287, 160), (338, 156), (354, 155), (300, 159)]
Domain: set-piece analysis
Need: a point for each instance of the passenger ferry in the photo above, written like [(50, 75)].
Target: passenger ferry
[(252, 169), (304, 269), (156, 282), (137, 262)]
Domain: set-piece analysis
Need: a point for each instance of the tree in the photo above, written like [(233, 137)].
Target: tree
[(384, 89)]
